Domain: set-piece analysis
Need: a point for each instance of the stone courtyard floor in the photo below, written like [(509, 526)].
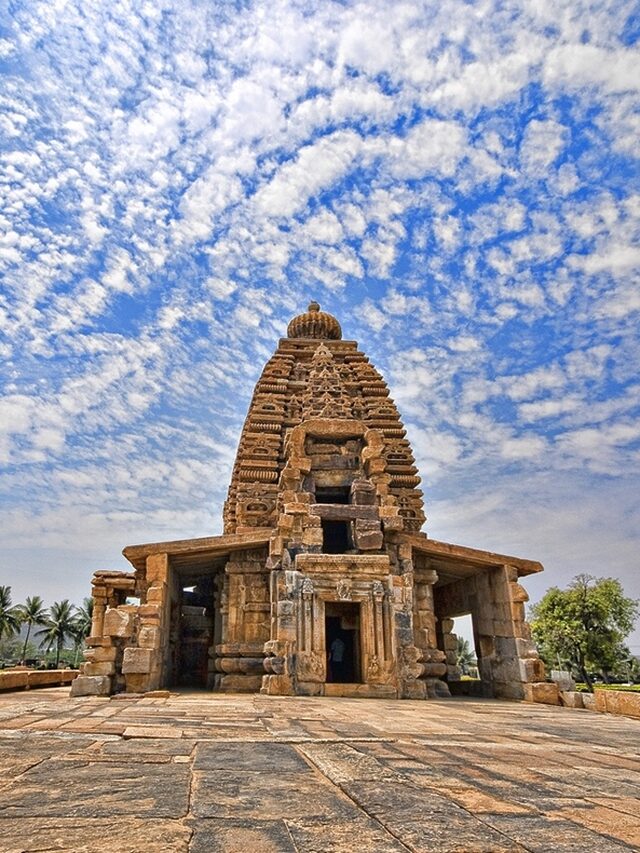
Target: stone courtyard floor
[(207, 772)]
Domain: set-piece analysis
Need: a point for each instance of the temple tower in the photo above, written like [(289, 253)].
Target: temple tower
[(324, 462)]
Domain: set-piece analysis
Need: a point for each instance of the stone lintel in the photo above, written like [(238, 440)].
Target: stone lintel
[(341, 563), (214, 546), (108, 578), (344, 512), (447, 551)]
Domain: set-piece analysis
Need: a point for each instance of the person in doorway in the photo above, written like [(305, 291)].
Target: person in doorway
[(336, 658)]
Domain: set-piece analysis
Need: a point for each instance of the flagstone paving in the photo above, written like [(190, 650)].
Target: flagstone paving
[(215, 773)]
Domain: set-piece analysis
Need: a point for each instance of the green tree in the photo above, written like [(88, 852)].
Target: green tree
[(32, 612), (465, 656), (58, 626), (81, 626), (585, 625), (9, 616)]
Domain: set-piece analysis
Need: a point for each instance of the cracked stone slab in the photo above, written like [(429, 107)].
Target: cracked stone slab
[(67, 835), (343, 763), (220, 793), (220, 835), (69, 788), (264, 757), (540, 835), (322, 835)]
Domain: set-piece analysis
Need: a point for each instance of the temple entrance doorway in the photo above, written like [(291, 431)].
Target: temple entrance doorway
[(194, 629), (342, 638)]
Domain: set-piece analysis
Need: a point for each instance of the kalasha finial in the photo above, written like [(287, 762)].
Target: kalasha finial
[(315, 323)]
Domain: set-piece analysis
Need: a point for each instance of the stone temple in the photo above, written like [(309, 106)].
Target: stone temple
[(323, 583)]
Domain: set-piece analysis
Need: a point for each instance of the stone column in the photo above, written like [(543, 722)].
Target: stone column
[(279, 679), (145, 663), (425, 634)]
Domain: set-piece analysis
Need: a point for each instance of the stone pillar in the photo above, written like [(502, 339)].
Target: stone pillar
[(112, 625), (148, 666), (279, 650), (425, 634), (240, 654)]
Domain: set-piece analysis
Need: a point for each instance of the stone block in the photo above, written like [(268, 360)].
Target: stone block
[(309, 688), (243, 683), (100, 668), (137, 661), (137, 682), (503, 628), (118, 623), (450, 642), (96, 685), (312, 536), (600, 700), (94, 642), (518, 593), (413, 690), (156, 594), (157, 568), (544, 692), (101, 654), (517, 611), (510, 690), (505, 647), (437, 689), (435, 670), (425, 619), (621, 702), (363, 493), (563, 679), (588, 701), (369, 541), (14, 680), (531, 669), (446, 625), (525, 648), (422, 637), (150, 612), (571, 699), (149, 637), (506, 669)]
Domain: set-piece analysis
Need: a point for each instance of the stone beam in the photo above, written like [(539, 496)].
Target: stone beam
[(449, 552), (209, 545)]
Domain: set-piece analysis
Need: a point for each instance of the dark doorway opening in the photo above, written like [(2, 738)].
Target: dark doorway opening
[(342, 637), (335, 537), (196, 618), (332, 495)]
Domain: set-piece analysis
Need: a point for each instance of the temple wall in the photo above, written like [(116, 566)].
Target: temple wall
[(508, 661), (246, 615)]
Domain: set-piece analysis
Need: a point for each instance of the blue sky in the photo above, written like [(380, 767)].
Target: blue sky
[(457, 182)]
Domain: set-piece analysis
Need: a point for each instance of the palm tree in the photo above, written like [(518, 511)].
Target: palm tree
[(31, 613), (465, 656), (58, 626), (82, 625), (9, 616), (84, 616)]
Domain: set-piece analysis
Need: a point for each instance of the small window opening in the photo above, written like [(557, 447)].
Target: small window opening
[(332, 496), (335, 537)]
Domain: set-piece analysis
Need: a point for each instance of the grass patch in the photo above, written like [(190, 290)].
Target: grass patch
[(581, 687)]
